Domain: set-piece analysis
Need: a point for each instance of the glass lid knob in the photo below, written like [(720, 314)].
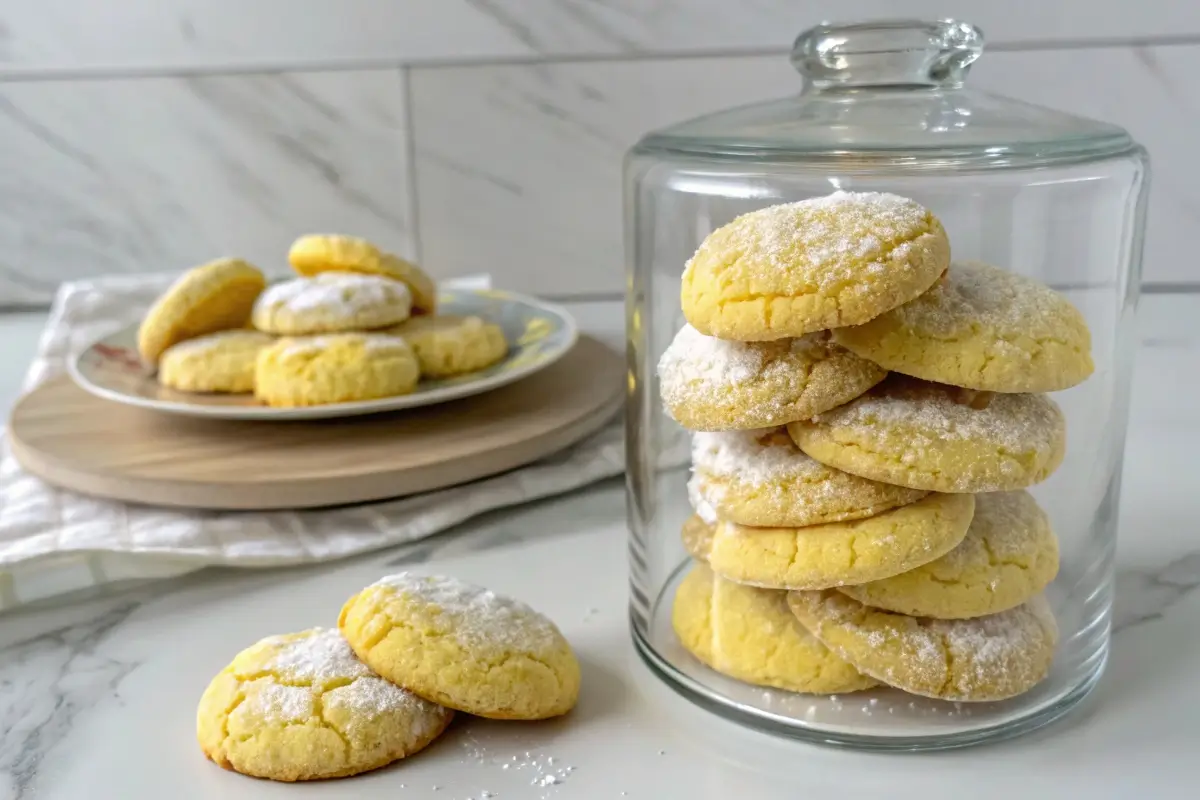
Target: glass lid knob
[(899, 53)]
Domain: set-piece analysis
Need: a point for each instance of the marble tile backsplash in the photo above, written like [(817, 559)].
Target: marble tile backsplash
[(476, 135)]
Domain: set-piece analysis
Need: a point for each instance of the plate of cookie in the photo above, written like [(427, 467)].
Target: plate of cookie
[(357, 331)]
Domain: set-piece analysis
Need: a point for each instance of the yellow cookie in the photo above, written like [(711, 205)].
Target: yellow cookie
[(1008, 556), (450, 345), (750, 634), (967, 660), (212, 297), (463, 646), (219, 362), (981, 328), (339, 368), (928, 436), (762, 478), (710, 384), (316, 253), (697, 535), (331, 302), (301, 707), (842, 553), (820, 263)]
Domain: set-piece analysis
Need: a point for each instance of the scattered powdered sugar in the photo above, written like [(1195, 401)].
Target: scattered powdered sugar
[(478, 617), (700, 504), (929, 412), (695, 363), (368, 697), (372, 342), (825, 239), (318, 656), (336, 292), (976, 295), (756, 456), (277, 703)]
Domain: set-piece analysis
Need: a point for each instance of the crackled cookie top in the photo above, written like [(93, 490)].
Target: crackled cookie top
[(988, 658), (842, 553), (821, 263), (331, 252), (301, 707), (710, 384), (1008, 556), (981, 328), (217, 362), (749, 634), (331, 302), (930, 436), (463, 646), (761, 478)]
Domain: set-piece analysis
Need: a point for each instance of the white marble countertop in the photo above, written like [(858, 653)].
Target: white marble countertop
[(97, 697)]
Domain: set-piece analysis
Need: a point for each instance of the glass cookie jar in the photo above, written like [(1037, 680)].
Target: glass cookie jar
[(885, 108)]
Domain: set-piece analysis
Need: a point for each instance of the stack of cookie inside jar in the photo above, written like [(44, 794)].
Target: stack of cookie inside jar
[(867, 418)]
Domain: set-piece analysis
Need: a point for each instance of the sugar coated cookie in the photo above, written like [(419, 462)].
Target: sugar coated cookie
[(989, 658), (212, 297), (316, 253), (821, 263), (929, 436), (448, 345), (842, 553), (697, 534), (331, 302), (750, 634), (463, 646), (762, 478), (339, 368), (981, 328), (710, 384), (301, 707), (1008, 556), (219, 362)]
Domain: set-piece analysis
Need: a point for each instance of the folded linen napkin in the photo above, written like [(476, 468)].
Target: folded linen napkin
[(54, 542)]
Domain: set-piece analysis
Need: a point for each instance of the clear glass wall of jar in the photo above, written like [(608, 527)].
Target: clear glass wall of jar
[(1061, 199)]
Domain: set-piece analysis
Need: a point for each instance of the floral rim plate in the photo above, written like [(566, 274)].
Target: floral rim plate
[(538, 334)]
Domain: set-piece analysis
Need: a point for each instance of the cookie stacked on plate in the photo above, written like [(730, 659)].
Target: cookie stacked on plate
[(868, 416), (357, 324)]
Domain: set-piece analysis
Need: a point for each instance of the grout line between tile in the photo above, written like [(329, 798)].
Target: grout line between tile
[(410, 165), (15, 74)]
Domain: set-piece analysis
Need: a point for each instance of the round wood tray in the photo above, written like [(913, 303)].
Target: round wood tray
[(79, 442)]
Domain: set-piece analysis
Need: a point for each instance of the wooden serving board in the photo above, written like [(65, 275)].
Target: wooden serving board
[(76, 441)]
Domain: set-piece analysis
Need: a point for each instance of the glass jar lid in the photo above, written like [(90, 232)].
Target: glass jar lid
[(891, 91)]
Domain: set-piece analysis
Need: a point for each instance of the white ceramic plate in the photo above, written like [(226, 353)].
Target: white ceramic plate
[(538, 335)]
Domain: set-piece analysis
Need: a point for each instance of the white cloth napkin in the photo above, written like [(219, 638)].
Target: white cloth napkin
[(53, 542)]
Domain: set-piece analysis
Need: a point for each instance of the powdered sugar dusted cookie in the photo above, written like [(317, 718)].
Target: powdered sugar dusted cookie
[(982, 328), (332, 252), (930, 436), (842, 553), (338, 368), (463, 646), (761, 478), (989, 658), (1008, 556), (303, 707), (750, 634), (822, 263), (331, 302), (710, 384)]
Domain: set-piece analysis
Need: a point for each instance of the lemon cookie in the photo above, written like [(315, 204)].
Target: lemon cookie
[(929, 436), (981, 328), (463, 646), (762, 478), (1009, 555), (212, 297), (842, 553), (316, 253), (331, 302), (820, 263), (697, 534), (750, 634), (448, 345), (710, 384), (301, 707), (339, 368), (219, 362), (989, 658)]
